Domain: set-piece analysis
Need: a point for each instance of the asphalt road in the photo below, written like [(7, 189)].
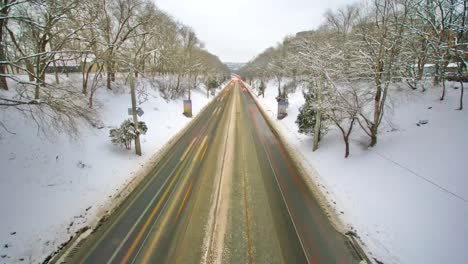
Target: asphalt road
[(226, 192)]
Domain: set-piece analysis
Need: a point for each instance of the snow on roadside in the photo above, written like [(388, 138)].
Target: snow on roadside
[(407, 198), (50, 187)]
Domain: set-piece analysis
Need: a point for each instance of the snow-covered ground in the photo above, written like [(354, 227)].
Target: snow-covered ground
[(51, 186), (407, 198)]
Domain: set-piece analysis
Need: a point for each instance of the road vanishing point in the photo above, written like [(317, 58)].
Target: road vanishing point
[(227, 191)]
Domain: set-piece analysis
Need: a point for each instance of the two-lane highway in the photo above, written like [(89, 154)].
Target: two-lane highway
[(226, 192)]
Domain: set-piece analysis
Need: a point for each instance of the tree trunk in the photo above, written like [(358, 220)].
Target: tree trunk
[(39, 83), (3, 81), (85, 77), (94, 84), (91, 95), (461, 61), (110, 68), (346, 140), (420, 74), (178, 83), (318, 117), (373, 138), (143, 65), (109, 79), (30, 68), (135, 116), (40, 69), (374, 131), (85, 84), (375, 128), (12, 69), (110, 75), (57, 81), (422, 58), (436, 74), (461, 95), (377, 98), (37, 92), (443, 90), (377, 104)]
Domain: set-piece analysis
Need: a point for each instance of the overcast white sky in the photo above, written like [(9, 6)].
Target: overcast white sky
[(237, 30)]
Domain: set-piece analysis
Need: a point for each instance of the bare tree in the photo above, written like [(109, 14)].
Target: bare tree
[(277, 68), (187, 59), (345, 104), (5, 6), (319, 60), (460, 50), (416, 49), (439, 16), (343, 20), (378, 49), (118, 24), (43, 25), (39, 32)]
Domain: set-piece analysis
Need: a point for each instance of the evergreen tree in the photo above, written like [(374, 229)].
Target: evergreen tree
[(306, 117), (213, 83), (125, 134)]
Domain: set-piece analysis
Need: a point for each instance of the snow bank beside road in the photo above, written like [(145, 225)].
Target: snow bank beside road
[(51, 187), (407, 197)]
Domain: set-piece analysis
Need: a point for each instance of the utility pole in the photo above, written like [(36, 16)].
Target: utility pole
[(131, 77)]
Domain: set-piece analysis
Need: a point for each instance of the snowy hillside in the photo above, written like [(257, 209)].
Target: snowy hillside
[(51, 186), (407, 198)]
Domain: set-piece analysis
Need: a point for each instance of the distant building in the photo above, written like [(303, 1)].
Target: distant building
[(430, 68), (70, 65), (64, 66)]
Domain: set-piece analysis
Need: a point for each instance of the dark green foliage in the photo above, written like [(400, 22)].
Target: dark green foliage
[(142, 127), (125, 134), (307, 117), (213, 83)]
